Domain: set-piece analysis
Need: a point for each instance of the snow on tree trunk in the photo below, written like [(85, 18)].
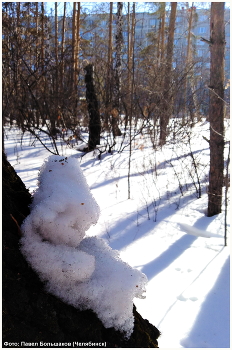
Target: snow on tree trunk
[(82, 271)]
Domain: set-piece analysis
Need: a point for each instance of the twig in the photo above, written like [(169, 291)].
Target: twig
[(211, 89), (18, 227)]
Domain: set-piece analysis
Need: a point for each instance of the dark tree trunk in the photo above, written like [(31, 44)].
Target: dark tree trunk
[(216, 109), (94, 114)]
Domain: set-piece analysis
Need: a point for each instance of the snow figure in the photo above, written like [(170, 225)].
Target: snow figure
[(82, 271)]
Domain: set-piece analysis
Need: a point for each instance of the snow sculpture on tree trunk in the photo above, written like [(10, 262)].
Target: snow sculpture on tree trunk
[(82, 271)]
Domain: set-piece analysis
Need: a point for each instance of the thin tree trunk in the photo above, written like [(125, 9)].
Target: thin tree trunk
[(17, 59), (78, 39), (129, 65), (118, 72), (108, 101), (76, 49), (36, 29), (118, 65), (42, 37), (36, 55), (166, 107), (162, 32), (62, 47), (74, 41), (160, 64), (56, 34), (216, 109), (93, 109), (131, 87), (56, 81), (187, 64), (189, 42)]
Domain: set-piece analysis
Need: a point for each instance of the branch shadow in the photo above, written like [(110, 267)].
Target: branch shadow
[(127, 230)]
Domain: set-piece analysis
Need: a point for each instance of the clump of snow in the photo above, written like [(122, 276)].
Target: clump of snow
[(82, 146), (191, 230), (83, 271)]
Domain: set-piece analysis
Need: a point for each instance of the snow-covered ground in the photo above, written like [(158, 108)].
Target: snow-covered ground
[(162, 229)]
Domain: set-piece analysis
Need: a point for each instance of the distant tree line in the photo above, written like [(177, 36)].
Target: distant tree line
[(65, 73), (44, 80)]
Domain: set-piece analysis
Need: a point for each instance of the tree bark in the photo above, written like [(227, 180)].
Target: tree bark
[(108, 98), (130, 64), (216, 108), (187, 63), (74, 42), (62, 47), (78, 39), (42, 38), (161, 36), (118, 72), (166, 107), (54, 115), (118, 64), (94, 114)]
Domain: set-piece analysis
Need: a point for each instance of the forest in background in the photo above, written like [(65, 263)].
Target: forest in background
[(67, 74)]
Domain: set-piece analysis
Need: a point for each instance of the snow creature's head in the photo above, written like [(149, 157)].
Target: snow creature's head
[(63, 207)]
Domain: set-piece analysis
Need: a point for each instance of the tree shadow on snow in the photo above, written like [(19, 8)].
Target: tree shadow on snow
[(166, 162), (212, 326), (160, 263), (154, 267), (137, 225)]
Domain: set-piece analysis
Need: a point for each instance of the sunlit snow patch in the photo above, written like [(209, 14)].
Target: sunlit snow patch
[(82, 271)]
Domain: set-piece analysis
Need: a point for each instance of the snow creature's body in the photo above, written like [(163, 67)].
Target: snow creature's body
[(84, 272)]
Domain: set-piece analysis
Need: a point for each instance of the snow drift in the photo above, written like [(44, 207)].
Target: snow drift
[(194, 231), (82, 271)]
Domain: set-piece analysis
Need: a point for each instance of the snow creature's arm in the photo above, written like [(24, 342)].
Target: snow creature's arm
[(57, 263)]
